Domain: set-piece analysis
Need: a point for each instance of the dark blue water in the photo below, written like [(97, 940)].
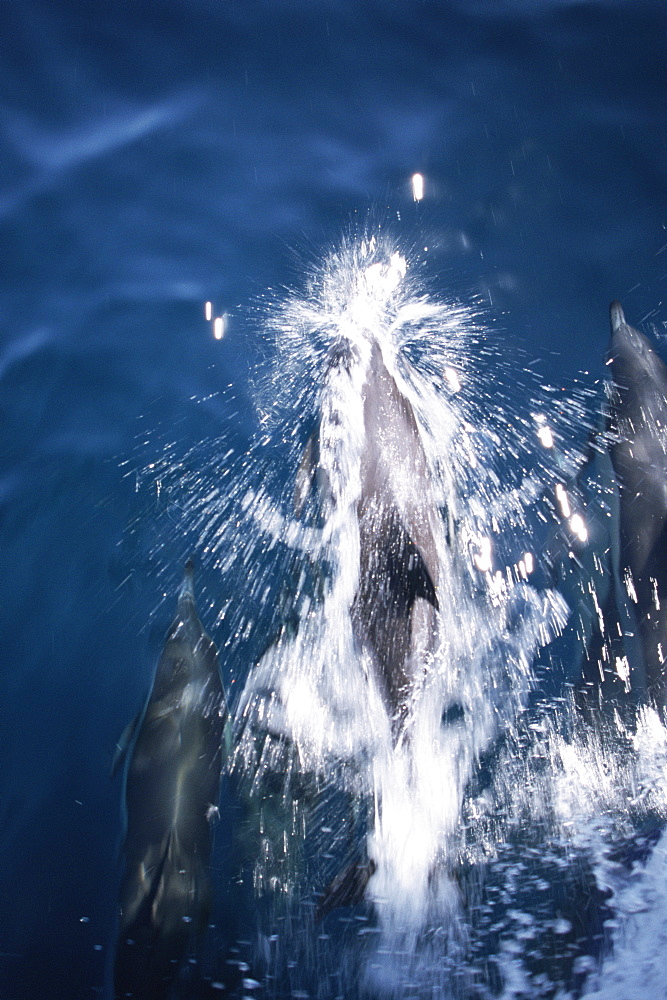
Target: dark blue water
[(156, 156)]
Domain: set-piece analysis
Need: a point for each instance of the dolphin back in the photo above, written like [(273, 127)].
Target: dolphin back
[(395, 609), (638, 448), (171, 793), (173, 907)]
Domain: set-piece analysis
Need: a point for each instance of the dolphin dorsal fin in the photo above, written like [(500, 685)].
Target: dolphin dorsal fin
[(420, 581), (408, 572)]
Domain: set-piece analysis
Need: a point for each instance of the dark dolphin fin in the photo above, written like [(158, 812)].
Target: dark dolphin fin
[(305, 474), (346, 889), (406, 568), (420, 582), (125, 742)]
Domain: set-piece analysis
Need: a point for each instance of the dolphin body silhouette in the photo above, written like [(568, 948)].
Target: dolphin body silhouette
[(395, 606), (172, 787), (638, 448), (394, 609)]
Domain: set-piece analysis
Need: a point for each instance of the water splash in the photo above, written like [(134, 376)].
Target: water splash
[(315, 690), (480, 819)]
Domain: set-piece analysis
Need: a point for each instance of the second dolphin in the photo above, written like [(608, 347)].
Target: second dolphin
[(171, 796)]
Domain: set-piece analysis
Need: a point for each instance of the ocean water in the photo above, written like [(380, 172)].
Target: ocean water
[(158, 157)]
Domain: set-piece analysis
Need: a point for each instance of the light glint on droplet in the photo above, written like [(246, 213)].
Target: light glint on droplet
[(563, 501), (220, 326), (453, 379), (208, 311), (578, 527), (417, 187), (545, 436), (482, 559), (623, 670)]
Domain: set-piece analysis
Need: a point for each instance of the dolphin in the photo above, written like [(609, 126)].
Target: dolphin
[(394, 611), (587, 573), (638, 448), (394, 608), (172, 785)]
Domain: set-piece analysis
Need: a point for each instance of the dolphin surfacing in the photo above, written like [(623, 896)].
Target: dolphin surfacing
[(171, 791), (395, 606), (638, 426), (394, 610)]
